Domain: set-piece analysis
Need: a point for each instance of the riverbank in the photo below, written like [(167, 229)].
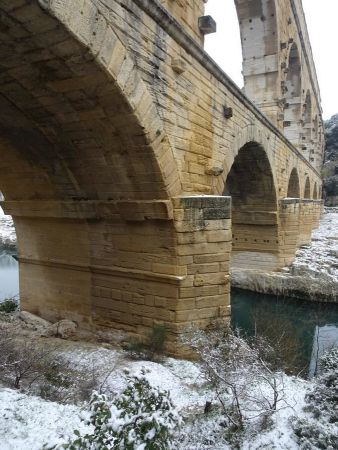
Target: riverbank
[(85, 366), (314, 273)]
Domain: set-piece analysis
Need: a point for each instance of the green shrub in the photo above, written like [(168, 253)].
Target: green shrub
[(9, 305), (142, 417)]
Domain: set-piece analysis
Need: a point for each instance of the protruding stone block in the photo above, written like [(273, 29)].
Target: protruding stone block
[(207, 25), (178, 65)]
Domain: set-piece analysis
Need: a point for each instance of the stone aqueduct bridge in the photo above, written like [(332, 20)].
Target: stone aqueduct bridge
[(122, 141)]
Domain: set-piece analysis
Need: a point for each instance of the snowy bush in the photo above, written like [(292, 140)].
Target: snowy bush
[(320, 429), (141, 418)]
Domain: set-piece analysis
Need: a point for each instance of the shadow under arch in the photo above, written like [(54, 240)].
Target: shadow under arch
[(251, 185), (307, 189), (293, 89), (293, 185), (315, 192), (307, 126)]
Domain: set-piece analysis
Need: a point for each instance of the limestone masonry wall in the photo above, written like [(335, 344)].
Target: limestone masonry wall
[(122, 144)]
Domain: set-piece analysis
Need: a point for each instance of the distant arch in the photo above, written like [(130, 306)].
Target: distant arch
[(293, 185), (293, 87), (307, 189), (250, 181), (293, 79), (315, 192)]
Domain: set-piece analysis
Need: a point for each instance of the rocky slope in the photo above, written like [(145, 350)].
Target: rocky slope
[(330, 168)]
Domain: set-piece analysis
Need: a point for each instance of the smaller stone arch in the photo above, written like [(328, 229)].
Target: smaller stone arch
[(315, 192), (307, 189), (293, 185), (307, 125)]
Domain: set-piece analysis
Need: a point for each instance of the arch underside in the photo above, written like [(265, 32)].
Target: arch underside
[(72, 131)]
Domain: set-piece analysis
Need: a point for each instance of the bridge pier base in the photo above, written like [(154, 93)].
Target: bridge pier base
[(298, 217), (126, 265)]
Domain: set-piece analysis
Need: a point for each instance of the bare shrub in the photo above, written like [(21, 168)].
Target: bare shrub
[(39, 369), (245, 386), (151, 348)]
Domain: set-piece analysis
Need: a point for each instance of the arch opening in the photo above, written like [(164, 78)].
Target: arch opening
[(307, 126), (307, 189), (293, 185), (259, 39), (251, 185), (315, 192), (293, 86)]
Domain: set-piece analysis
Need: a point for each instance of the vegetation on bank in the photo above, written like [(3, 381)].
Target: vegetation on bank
[(330, 168), (236, 393)]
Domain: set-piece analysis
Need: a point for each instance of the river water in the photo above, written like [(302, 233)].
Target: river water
[(9, 277), (305, 330), (308, 329), (9, 272)]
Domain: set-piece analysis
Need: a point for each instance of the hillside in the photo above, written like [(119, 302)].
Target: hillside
[(330, 169)]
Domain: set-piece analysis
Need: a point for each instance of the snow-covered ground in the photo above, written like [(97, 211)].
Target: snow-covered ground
[(314, 273), (28, 422)]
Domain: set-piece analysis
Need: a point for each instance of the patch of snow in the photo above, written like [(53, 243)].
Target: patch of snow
[(182, 378), (28, 422)]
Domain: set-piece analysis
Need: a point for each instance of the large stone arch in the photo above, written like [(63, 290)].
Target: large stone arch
[(260, 47), (250, 183), (86, 167), (293, 93), (293, 190)]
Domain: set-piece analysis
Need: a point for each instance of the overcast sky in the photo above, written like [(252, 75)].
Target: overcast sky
[(322, 20)]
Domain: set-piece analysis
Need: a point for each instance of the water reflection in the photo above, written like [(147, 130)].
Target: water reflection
[(325, 337), (308, 329), (9, 276)]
